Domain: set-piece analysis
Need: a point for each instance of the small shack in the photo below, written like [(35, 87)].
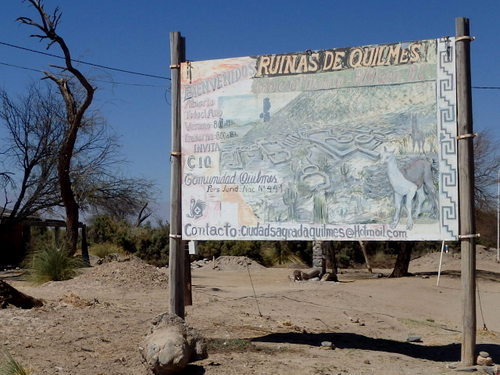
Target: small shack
[(15, 237)]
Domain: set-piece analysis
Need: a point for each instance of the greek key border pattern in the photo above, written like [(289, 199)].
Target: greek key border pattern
[(447, 132)]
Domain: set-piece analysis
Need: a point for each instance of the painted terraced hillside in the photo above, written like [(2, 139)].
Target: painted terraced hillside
[(326, 148)]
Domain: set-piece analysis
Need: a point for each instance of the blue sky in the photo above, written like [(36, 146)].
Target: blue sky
[(134, 36)]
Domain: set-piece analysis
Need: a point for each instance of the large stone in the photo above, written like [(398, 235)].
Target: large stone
[(171, 344), (484, 361)]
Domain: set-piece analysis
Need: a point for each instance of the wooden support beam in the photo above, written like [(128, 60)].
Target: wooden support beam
[(176, 251), (466, 190)]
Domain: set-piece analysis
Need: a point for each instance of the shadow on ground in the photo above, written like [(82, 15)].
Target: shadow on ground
[(192, 370), (480, 274), (438, 353)]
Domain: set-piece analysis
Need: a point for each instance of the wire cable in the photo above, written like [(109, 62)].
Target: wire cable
[(96, 80), (84, 62), (20, 67), (486, 87), (146, 74)]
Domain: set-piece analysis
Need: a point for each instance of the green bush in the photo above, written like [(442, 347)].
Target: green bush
[(152, 244), (102, 229), (268, 253), (103, 249), (286, 252), (53, 264), (343, 261), (41, 236), (147, 242), (106, 229), (249, 249)]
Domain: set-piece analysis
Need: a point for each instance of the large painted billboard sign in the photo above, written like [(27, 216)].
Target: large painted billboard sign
[(342, 144)]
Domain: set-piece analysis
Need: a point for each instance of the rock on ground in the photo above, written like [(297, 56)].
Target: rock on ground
[(171, 344)]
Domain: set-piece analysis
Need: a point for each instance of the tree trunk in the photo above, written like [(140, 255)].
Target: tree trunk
[(75, 111), (67, 195), (403, 260), (11, 296), (72, 214), (329, 251)]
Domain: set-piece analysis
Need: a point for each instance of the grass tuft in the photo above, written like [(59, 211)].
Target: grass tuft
[(12, 367), (53, 264)]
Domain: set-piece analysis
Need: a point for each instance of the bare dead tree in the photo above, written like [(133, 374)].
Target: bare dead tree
[(35, 124), (486, 166), (143, 215), (34, 129), (98, 185), (75, 110), (5, 182), (119, 197)]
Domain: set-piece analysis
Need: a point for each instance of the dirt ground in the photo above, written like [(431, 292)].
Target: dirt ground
[(94, 323)]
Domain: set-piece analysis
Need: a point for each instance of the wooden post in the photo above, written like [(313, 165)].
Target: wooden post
[(85, 246), (188, 293), (466, 190), (176, 251)]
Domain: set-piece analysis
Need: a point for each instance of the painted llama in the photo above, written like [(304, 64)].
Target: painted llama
[(408, 184)]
